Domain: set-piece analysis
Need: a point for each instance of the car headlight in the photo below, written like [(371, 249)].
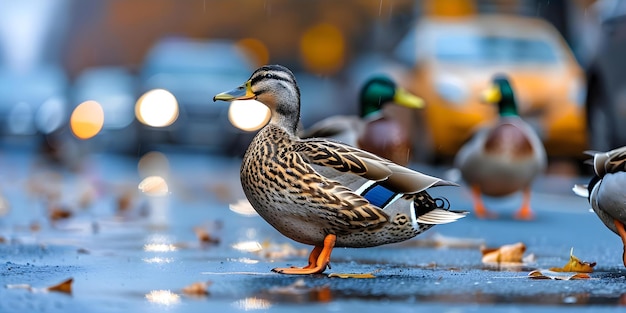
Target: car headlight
[(50, 115), (577, 92), (452, 89)]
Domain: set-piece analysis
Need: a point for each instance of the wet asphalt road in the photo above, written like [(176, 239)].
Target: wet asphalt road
[(138, 254)]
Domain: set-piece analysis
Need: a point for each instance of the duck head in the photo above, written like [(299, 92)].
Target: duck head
[(501, 93), (276, 87), (379, 90)]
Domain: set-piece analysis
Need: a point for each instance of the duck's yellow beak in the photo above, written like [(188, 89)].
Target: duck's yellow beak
[(243, 92), (407, 99), (491, 95)]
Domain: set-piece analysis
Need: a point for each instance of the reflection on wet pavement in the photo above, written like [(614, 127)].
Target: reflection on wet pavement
[(129, 250)]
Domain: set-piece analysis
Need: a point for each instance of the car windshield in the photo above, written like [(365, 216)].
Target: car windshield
[(494, 49)]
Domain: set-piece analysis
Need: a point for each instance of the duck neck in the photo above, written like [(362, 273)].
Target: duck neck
[(507, 107), (371, 108), (287, 117)]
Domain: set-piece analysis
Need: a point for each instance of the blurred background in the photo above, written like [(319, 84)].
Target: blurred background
[(132, 76)]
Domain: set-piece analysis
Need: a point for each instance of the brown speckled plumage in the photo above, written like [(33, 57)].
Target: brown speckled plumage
[(306, 188)]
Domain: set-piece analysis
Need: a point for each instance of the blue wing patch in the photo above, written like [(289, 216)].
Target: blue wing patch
[(379, 195)]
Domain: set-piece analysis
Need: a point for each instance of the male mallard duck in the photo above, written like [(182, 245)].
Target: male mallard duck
[(324, 193), (606, 192), (503, 158), (373, 130)]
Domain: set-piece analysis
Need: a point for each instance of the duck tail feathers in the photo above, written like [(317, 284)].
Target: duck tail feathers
[(441, 216)]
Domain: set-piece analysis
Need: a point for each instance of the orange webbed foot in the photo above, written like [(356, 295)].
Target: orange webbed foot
[(319, 260), (479, 207), (525, 213), (622, 234)]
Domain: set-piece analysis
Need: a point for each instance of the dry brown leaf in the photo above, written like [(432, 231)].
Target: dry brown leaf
[(34, 227), (125, 201), (575, 265), (65, 286), (204, 237), (548, 274), (58, 213), (512, 253), (197, 289), (348, 275)]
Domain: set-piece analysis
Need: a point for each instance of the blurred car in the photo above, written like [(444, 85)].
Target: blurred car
[(606, 81), (33, 102), (115, 89), (194, 71), (452, 59)]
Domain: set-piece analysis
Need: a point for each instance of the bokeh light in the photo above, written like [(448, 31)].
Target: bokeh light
[(158, 260), (257, 50), (164, 297), (157, 108), (153, 163), (248, 246), (20, 119), (87, 119), (322, 48), (243, 207), (251, 304), (50, 115), (159, 247), (248, 115), (154, 186)]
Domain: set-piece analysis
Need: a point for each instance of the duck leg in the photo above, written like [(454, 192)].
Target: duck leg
[(479, 206), (622, 233), (525, 213), (319, 259)]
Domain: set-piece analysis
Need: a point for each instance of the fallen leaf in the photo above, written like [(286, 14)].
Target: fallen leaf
[(65, 286), (34, 227), (548, 274), (575, 265), (197, 289), (512, 253), (347, 275), (125, 201), (204, 237), (59, 213)]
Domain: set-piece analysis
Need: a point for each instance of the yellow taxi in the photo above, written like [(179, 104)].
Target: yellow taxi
[(452, 59)]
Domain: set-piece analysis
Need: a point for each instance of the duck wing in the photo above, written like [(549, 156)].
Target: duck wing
[(354, 161)]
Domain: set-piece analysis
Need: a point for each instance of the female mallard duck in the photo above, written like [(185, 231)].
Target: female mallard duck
[(324, 193), (606, 192), (503, 158), (373, 130)]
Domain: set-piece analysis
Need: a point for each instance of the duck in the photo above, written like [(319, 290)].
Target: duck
[(605, 191), (373, 130), (504, 157), (324, 193)]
